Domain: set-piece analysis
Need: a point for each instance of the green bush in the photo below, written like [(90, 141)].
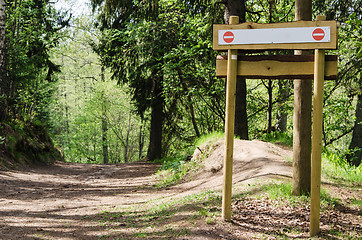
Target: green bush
[(338, 169), (282, 138), (174, 169)]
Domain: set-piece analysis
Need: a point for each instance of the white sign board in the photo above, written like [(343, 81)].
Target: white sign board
[(274, 35)]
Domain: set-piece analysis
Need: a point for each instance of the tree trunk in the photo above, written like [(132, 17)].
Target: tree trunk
[(141, 142), (4, 81), (190, 105), (270, 105), (104, 137), (104, 123), (155, 145), (193, 118), (282, 115), (302, 117), (241, 116), (237, 8), (355, 156), (126, 146)]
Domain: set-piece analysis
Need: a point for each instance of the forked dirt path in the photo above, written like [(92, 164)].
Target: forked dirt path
[(53, 202)]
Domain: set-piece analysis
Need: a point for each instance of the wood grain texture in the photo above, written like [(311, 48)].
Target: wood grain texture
[(278, 67), (229, 128)]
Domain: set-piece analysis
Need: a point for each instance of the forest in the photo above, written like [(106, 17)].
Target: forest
[(136, 80), (112, 124)]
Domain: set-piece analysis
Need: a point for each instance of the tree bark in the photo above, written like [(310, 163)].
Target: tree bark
[(141, 142), (302, 117), (282, 115), (270, 105), (155, 145), (237, 8), (104, 137), (355, 156), (104, 123), (4, 81), (126, 145), (189, 104)]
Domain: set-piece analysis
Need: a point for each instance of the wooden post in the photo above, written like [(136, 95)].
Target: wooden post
[(317, 139), (229, 127)]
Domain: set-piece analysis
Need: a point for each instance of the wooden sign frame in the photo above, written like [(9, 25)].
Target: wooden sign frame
[(260, 67)]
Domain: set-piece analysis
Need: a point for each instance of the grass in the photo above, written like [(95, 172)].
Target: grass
[(206, 207), (283, 139), (261, 200), (336, 169), (161, 218), (277, 195), (212, 137), (334, 166), (281, 190), (175, 169)]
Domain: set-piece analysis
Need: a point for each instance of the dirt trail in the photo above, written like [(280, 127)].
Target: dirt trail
[(251, 159), (53, 200), (70, 201)]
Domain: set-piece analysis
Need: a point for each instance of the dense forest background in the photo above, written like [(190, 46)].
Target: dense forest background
[(136, 80)]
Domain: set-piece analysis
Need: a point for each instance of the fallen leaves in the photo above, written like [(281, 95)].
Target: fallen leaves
[(279, 217)]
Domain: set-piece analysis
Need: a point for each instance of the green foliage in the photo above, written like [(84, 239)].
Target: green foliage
[(176, 169), (283, 138), (341, 96), (169, 56), (84, 98), (32, 29), (208, 138), (336, 168), (269, 12), (167, 45)]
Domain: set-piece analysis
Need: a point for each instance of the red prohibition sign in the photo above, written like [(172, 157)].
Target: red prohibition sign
[(228, 37), (318, 34)]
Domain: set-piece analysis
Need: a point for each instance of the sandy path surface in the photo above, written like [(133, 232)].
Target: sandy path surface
[(252, 159), (56, 201)]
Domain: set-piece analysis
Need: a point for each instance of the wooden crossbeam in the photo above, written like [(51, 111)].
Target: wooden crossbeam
[(278, 66)]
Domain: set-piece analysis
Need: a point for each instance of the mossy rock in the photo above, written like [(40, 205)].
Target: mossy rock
[(26, 145)]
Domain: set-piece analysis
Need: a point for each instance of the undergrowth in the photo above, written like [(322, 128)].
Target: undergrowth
[(338, 170), (280, 138), (175, 169), (334, 166)]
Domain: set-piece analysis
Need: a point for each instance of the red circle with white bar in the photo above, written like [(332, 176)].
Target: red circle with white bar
[(318, 34), (228, 37)]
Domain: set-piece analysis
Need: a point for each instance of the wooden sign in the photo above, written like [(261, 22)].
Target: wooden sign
[(317, 35), (291, 35), (278, 67)]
